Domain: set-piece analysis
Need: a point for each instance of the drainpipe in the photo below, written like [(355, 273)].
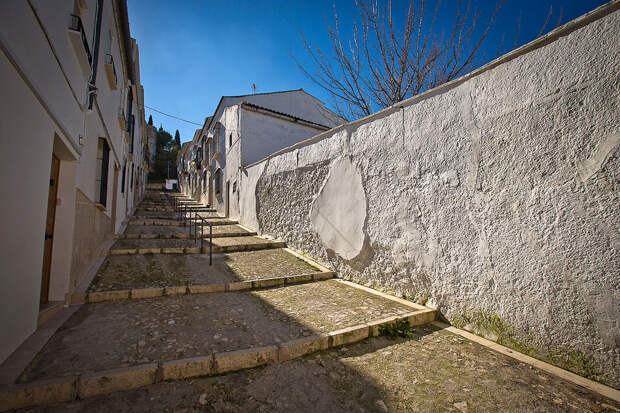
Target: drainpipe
[(93, 77)]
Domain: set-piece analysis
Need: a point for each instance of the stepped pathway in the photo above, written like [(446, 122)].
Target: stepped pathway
[(157, 310), (151, 320)]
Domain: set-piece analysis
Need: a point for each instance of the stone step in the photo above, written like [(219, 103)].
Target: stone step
[(127, 272), (172, 209), (175, 223), (114, 346), (187, 236), (190, 246), (246, 285)]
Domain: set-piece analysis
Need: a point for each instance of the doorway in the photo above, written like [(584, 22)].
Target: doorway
[(49, 229)]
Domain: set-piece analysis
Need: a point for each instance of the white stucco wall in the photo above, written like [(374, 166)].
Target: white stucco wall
[(45, 114), (494, 198), (25, 162), (263, 135)]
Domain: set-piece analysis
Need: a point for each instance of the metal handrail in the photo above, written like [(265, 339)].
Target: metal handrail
[(196, 216), (194, 222)]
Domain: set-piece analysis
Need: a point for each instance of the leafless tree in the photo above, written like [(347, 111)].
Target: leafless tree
[(380, 64)]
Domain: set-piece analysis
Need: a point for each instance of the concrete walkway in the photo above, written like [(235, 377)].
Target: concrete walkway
[(261, 329)]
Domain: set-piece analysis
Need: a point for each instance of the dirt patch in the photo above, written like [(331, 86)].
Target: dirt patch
[(434, 371)]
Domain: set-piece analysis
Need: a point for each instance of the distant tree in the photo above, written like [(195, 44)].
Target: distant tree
[(165, 142), (177, 139), (165, 156), (151, 120)]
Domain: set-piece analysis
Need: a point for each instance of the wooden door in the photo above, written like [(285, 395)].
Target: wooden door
[(49, 229)]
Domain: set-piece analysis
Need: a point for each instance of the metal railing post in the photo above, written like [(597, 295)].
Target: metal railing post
[(210, 244)]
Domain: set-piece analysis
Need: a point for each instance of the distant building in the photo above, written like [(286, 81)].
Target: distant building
[(243, 130), (72, 161)]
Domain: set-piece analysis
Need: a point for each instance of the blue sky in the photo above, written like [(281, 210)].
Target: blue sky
[(193, 52)]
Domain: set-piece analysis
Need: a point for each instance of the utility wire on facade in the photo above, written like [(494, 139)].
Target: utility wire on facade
[(172, 116)]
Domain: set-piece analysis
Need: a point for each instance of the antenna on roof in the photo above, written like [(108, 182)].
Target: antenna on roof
[(254, 88)]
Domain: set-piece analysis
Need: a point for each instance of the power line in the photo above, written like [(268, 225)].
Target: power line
[(172, 116)]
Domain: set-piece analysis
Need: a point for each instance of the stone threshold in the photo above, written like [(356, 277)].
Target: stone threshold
[(198, 250), (247, 285), (174, 223), (185, 236), (70, 388)]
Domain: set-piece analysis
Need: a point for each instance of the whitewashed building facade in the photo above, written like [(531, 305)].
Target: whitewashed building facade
[(72, 168), (241, 131)]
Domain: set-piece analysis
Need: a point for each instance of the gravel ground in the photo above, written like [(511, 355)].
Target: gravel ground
[(434, 371)]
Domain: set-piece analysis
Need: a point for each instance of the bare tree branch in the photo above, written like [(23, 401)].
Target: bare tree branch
[(391, 55)]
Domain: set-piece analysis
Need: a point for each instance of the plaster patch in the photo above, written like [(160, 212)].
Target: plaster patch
[(600, 156), (339, 212)]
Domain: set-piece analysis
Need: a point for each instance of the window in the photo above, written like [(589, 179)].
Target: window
[(131, 182), (103, 159), (230, 140), (123, 180), (129, 107), (218, 181)]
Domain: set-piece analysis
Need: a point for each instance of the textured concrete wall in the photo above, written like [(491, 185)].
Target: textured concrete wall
[(494, 198), (93, 228)]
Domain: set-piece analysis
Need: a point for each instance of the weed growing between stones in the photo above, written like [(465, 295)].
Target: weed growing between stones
[(492, 327), (399, 328)]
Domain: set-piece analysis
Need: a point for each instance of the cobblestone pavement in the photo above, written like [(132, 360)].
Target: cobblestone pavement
[(155, 243), (230, 241), (120, 272), (250, 265), (434, 371), (117, 334), (150, 229)]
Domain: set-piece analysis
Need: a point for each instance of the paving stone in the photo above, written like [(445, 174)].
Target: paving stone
[(175, 290), (189, 367), (40, 392), (268, 282), (245, 359), (302, 346), (96, 297), (126, 378), (348, 335), (212, 288), (147, 292)]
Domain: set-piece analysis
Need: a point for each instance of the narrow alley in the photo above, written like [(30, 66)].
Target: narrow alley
[(157, 320)]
